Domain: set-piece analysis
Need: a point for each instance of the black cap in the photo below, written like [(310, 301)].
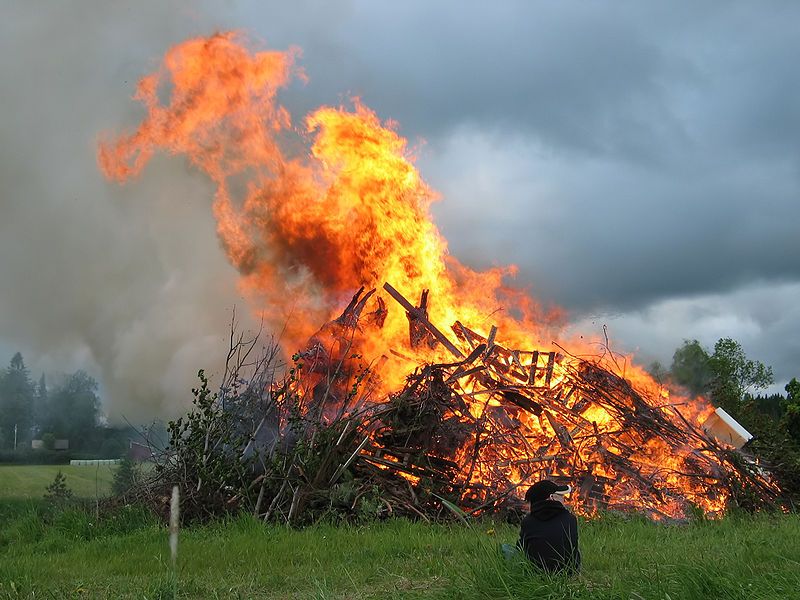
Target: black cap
[(541, 490)]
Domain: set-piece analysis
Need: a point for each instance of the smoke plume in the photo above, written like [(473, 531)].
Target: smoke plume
[(127, 283)]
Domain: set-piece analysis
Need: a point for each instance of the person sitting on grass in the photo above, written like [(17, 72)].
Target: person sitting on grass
[(549, 533)]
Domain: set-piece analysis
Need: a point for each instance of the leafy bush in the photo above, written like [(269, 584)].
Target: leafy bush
[(775, 447), (205, 459)]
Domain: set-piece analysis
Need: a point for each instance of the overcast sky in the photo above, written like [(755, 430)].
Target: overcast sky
[(640, 164)]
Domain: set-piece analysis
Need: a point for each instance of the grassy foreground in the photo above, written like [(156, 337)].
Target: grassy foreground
[(31, 481), (71, 554)]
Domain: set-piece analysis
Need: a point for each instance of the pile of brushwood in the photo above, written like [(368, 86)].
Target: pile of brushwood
[(317, 443), (255, 445)]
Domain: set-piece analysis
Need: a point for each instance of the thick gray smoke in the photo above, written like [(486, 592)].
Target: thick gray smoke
[(130, 282)]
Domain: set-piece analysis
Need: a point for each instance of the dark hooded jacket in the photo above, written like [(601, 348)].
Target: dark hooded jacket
[(549, 537)]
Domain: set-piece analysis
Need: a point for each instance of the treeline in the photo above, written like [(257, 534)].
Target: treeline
[(68, 410), (731, 380)]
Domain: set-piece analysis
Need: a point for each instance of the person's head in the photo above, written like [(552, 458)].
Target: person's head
[(546, 489)]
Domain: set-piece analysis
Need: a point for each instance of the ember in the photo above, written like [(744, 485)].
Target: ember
[(471, 416)]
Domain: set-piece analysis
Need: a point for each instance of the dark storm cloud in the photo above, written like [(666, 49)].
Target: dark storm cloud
[(598, 234), (630, 158), (578, 77), (624, 79), (667, 135)]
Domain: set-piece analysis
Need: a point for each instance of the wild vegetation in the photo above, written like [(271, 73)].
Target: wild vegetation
[(730, 379), (57, 541), (65, 407), (124, 554), (29, 481)]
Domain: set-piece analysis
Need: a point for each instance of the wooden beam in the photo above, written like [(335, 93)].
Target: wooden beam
[(534, 366), (550, 362), (490, 340), (420, 316), (461, 332)]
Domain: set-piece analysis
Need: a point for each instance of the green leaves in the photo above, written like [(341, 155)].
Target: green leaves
[(205, 451), (726, 375), (691, 368), (460, 514)]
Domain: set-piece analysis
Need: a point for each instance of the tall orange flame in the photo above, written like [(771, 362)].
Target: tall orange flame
[(307, 230)]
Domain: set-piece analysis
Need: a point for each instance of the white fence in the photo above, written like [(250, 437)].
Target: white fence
[(94, 462)]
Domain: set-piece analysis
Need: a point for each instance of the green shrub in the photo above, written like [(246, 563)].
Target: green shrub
[(125, 477), (58, 493)]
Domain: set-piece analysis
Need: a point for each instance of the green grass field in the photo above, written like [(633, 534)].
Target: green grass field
[(73, 554), (31, 481), (127, 556)]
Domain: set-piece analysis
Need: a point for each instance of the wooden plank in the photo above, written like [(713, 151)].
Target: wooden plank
[(522, 401), (403, 356), (461, 333), (490, 340), (413, 310), (461, 374), (550, 362), (525, 461), (516, 360), (561, 432), (418, 333), (568, 396), (412, 469), (476, 352), (534, 366)]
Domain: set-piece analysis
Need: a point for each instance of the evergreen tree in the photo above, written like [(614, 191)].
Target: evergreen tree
[(772, 405), (58, 492), (73, 410), (40, 405), (124, 477), (16, 403)]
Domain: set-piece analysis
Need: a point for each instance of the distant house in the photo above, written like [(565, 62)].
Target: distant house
[(139, 452), (57, 444)]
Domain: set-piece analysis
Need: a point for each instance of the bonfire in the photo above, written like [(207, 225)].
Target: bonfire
[(455, 402), (483, 426)]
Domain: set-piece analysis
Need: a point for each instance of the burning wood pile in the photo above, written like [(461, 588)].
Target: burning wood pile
[(475, 432), (373, 419)]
